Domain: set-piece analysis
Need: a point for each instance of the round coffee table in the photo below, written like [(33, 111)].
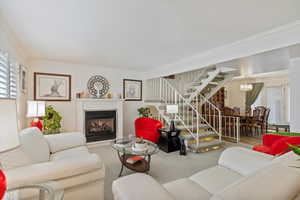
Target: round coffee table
[(124, 148)]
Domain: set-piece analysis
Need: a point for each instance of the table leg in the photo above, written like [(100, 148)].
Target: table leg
[(149, 160), (123, 160)]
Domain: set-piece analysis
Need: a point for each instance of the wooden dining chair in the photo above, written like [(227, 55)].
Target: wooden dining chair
[(256, 124), (266, 120), (236, 110)]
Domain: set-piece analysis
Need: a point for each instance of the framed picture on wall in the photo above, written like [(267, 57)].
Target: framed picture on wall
[(132, 90), (52, 87), (23, 78)]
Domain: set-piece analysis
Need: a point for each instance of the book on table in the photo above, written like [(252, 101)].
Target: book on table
[(134, 159)]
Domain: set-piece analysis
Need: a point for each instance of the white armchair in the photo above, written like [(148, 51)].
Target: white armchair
[(63, 158)]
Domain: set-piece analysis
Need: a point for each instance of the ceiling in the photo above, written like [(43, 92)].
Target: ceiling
[(138, 34)]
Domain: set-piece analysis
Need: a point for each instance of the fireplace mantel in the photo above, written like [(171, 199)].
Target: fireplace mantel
[(83, 105)]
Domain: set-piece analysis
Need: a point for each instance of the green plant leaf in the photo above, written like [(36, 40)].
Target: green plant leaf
[(51, 121)]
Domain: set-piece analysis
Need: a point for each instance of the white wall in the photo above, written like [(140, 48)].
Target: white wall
[(234, 96), (80, 74), (10, 45), (294, 77)]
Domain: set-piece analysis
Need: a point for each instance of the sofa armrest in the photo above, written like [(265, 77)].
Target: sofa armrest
[(158, 125), (281, 146), (53, 170), (244, 161), (63, 141), (139, 186)]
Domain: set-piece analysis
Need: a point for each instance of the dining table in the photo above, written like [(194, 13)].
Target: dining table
[(245, 121)]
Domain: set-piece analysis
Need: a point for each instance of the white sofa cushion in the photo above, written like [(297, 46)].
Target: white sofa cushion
[(14, 158), (44, 172), (34, 145), (275, 182), (82, 179), (244, 161), (139, 187), (186, 189), (216, 178), (64, 141), (69, 153)]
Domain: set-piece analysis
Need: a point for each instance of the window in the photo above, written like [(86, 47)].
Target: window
[(275, 103), (277, 98), (8, 83)]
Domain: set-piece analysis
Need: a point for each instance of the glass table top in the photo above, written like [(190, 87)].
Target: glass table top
[(127, 146), (46, 191)]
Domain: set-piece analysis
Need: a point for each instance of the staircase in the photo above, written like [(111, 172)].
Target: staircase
[(207, 83), (199, 119)]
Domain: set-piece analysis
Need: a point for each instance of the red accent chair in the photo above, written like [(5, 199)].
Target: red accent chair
[(147, 129), (276, 144), (2, 184)]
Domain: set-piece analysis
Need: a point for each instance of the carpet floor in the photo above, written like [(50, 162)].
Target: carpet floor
[(164, 167)]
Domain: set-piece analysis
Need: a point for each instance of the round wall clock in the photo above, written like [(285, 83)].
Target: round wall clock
[(98, 86)]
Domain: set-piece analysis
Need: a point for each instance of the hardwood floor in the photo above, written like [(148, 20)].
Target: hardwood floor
[(250, 140), (245, 140)]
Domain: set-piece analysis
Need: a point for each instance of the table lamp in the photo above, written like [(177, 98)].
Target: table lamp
[(172, 109), (36, 109), (9, 137)]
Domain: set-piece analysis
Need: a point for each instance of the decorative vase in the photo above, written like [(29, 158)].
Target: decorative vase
[(172, 126), (182, 147)]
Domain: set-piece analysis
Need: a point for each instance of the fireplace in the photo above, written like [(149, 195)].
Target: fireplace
[(100, 125)]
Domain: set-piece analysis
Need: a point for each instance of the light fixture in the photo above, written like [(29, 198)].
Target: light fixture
[(36, 109), (246, 87), (172, 109), (9, 137)]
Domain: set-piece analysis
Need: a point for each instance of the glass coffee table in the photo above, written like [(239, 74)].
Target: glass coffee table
[(125, 149), (46, 191)]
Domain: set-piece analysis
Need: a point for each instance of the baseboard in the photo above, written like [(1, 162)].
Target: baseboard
[(91, 145)]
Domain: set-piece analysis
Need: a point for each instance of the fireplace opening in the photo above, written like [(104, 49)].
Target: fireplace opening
[(100, 125)]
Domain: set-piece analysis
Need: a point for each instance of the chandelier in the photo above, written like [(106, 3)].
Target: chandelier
[(246, 87)]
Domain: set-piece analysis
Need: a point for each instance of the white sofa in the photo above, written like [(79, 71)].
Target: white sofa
[(63, 158), (241, 174)]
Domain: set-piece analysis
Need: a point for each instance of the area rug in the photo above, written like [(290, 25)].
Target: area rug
[(164, 167)]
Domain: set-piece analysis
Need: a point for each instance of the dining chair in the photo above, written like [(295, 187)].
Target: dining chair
[(266, 120), (236, 110), (257, 122)]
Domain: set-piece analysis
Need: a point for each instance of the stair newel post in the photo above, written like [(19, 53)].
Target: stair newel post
[(160, 88), (238, 129), (220, 126), (197, 126), (175, 100)]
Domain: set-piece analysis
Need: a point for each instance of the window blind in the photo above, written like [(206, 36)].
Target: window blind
[(8, 78)]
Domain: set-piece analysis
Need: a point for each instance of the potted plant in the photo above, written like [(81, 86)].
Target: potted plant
[(144, 112), (51, 121)]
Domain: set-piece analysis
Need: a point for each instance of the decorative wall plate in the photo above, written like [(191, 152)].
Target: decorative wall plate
[(98, 86)]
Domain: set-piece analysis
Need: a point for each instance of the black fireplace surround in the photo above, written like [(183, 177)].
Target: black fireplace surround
[(100, 125)]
